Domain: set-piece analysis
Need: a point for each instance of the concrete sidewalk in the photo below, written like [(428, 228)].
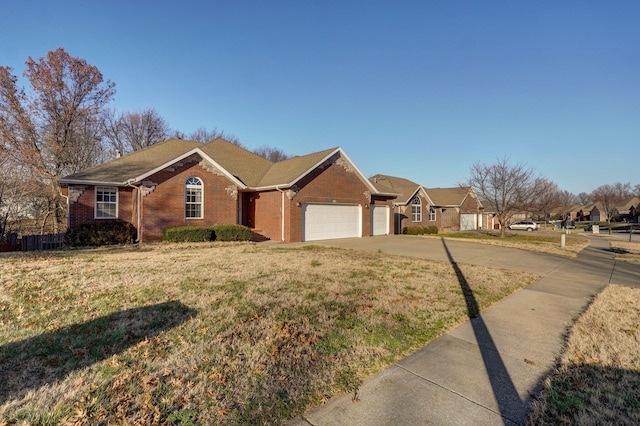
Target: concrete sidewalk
[(485, 371)]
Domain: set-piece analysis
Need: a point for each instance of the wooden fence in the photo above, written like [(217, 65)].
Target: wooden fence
[(42, 242)]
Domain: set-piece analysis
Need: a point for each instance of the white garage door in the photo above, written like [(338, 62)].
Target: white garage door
[(468, 222), (330, 221), (380, 220)]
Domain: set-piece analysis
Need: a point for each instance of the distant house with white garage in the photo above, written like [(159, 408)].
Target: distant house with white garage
[(449, 209)]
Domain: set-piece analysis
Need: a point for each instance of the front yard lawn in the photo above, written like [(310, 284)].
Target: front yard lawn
[(214, 333)]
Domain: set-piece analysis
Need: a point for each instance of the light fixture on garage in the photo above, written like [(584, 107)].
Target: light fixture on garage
[(297, 203)]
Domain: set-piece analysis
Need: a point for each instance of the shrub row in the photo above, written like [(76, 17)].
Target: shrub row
[(420, 230), (99, 234), (178, 234)]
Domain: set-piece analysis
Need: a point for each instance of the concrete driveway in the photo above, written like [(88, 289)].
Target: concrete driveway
[(461, 251), (487, 255)]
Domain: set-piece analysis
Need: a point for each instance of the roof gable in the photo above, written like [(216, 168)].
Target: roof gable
[(634, 202), (404, 188), (289, 171), (448, 197)]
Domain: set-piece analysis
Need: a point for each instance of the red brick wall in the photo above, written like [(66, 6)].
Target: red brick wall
[(328, 184), (470, 205), (407, 218), (164, 207), (267, 218), (332, 183), (83, 210)]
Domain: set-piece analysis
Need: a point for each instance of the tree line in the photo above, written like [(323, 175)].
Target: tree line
[(507, 189), (63, 123)]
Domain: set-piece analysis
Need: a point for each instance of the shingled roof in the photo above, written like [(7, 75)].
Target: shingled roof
[(120, 170), (242, 164), (289, 171), (247, 168), (404, 188), (448, 197)]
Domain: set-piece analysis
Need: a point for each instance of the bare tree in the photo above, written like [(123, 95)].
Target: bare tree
[(547, 198), (54, 128), (203, 135), (274, 155), (18, 192), (505, 188), (584, 198), (636, 190), (623, 190), (566, 199), (132, 131)]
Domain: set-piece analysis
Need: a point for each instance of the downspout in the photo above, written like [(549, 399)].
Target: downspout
[(138, 201), (68, 221), (396, 221), (282, 212)]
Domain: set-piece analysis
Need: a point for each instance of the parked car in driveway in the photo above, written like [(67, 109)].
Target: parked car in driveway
[(524, 225)]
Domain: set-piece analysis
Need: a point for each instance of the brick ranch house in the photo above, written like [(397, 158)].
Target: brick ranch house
[(450, 209), (317, 196)]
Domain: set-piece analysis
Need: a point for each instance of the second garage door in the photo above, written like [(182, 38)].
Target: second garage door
[(380, 220), (468, 222), (330, 221)]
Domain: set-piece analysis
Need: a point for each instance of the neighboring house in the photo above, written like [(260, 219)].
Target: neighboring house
[(456, 208), (446, 208), (596, 213), (411, 207), (575, 212), (628, 211), (318, 196)]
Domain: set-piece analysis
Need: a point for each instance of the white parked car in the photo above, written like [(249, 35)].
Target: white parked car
[(524, 225)]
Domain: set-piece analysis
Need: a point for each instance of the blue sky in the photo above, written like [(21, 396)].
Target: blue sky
[(418, 89)]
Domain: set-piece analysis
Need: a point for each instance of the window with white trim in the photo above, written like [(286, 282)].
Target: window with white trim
[(193, 198), (432, 214), (106, 202), (416, 209)]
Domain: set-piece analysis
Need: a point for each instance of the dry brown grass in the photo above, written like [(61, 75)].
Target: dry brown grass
[(525, 241), (213, 333), (626, 251), (598, 380)]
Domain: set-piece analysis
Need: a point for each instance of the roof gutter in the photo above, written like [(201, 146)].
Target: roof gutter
[(90, 182)]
